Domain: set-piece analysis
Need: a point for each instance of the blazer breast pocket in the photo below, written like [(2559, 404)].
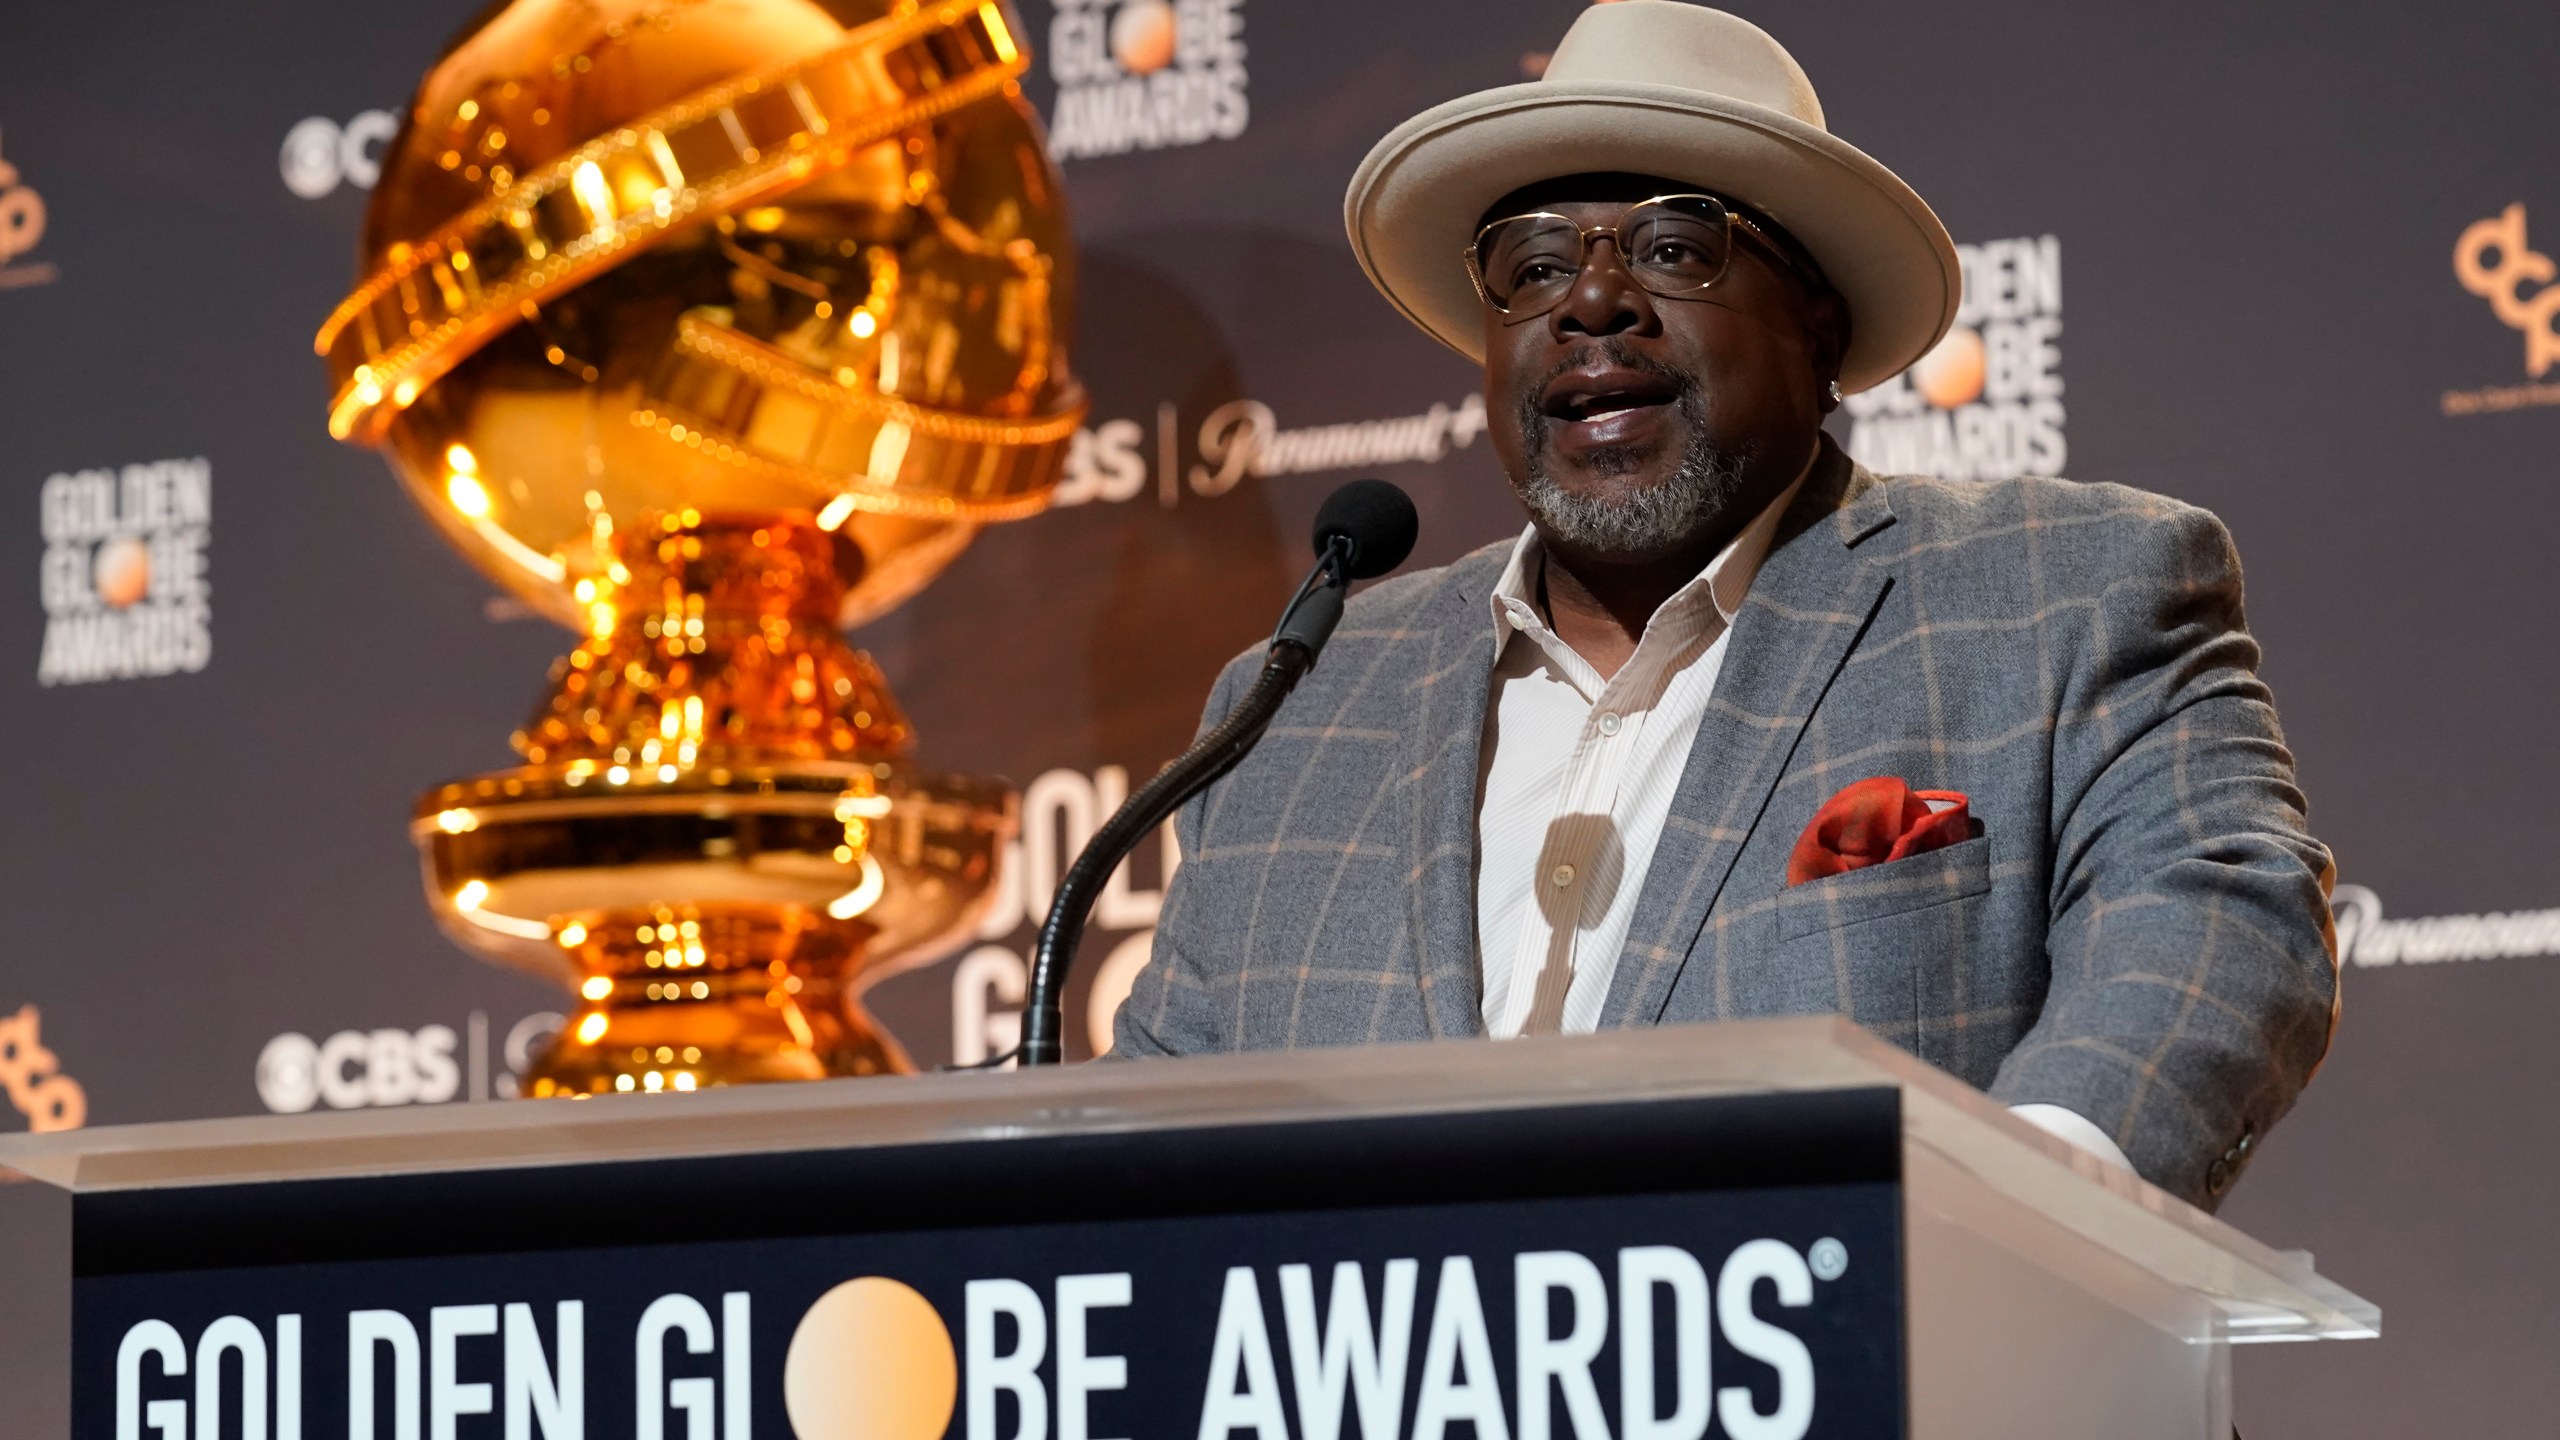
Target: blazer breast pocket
[(1938, 877)]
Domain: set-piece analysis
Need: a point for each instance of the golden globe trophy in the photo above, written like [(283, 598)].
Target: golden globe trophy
[(707, 329)]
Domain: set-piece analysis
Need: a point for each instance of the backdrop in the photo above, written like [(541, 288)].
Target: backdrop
[(2281, 261)]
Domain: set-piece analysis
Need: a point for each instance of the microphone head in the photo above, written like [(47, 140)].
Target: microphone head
[(1378, 520)]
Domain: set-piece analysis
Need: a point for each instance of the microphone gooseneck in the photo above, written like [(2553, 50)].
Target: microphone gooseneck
[(1364, 530)]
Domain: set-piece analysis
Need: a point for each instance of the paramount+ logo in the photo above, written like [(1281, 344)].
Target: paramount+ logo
[(1371, 1355), (2494, 260), (1118, 460)]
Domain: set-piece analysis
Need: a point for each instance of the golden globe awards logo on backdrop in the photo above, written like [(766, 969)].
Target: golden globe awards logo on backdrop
[(1060, 811), (125, 584), (2494, 260), (1986, 404), (1145, 75), (22, 220), (31, 1076)]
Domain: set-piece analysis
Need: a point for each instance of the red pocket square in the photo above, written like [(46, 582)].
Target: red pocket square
[(1876, 820)]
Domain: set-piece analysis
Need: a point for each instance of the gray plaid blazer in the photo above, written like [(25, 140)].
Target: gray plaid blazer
[(2140, 932)]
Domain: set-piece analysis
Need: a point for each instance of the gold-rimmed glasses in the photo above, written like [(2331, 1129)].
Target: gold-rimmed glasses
[(1671, 245)]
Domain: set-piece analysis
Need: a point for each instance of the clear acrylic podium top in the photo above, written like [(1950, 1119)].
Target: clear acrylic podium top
[(1966, 1161)]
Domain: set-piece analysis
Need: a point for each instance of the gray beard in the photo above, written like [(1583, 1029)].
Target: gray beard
[(1709, 482)]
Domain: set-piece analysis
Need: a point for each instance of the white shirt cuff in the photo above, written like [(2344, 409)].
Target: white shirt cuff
[(2074, 1127)]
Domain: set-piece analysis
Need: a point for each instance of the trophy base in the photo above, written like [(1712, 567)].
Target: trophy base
[(724, 995), (717, 925)]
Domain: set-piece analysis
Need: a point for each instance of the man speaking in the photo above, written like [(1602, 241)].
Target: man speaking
[(1736, 728)]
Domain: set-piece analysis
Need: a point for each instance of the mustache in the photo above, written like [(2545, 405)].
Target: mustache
[(1616, 351)]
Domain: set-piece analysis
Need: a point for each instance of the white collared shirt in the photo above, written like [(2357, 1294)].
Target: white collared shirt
[(1575, 780)]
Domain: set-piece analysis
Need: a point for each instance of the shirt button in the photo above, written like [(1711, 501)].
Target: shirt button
[(1610, 724), (1562, 875)]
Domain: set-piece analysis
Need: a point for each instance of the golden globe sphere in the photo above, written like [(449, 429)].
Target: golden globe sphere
[(706, 327), (742, 255)]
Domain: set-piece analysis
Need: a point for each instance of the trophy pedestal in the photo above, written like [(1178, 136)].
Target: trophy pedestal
[(718, 927), (741, 994), (718, 844)]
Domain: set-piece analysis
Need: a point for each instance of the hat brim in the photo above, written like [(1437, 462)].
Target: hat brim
[(1415, 202)]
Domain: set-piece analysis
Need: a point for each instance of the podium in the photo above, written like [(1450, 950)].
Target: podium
[(1758, 1229)]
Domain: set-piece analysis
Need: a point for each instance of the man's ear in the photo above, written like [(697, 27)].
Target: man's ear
[(1829, 328)]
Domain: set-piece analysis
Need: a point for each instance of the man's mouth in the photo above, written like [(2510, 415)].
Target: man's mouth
[(1609, 404)]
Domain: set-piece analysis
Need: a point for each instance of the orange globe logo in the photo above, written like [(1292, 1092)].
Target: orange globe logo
[(872, 1360), (122, 572), (1951, 373), (1142, 36)]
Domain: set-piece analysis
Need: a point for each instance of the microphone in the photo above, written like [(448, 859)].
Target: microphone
[(1376, 519), (1364, 530), (1371, 524)]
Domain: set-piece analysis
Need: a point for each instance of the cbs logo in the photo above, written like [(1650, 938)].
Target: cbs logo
[(320, 154), (359, 1069), (354, 1069), (2502, 284)]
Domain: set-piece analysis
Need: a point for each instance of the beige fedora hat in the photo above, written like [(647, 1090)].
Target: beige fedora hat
[(1657, 87)]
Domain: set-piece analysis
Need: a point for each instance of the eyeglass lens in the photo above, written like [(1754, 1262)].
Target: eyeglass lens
[(1670, 246)]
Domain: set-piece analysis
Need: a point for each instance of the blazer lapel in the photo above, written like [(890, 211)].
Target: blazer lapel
[(1443, 740), (1812, 599)]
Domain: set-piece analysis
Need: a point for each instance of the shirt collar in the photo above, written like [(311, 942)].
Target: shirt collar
[(1715, 594)]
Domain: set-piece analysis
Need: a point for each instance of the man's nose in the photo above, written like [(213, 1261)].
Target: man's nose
[(1604, 299)]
